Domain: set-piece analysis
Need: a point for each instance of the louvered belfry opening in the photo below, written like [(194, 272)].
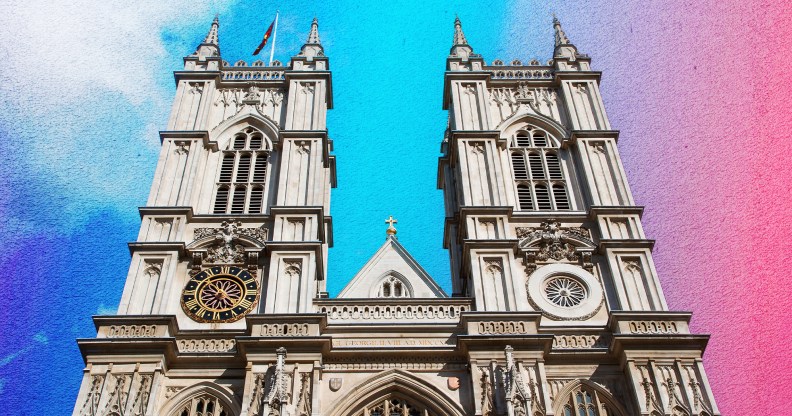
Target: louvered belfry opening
[(243, 175), (541, 182)]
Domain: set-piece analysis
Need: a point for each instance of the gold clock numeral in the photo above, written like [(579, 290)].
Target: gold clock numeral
[(201, 311), (245, 303), (216, 316), (225, 270), (192, 303), (189, 292)]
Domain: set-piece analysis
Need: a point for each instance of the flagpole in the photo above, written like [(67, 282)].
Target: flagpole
[(274, 37)]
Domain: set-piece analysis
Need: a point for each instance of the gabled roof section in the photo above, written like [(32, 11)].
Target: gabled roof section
[(392, 259)]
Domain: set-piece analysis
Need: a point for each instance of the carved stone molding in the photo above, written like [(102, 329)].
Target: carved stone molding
[(503, 328), (653, 327), (552, 242), (225, 247), (132, 331), (563, 342), (281, 330), (206, 345)]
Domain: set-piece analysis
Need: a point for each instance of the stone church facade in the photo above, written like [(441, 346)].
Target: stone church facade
[(556, 307)]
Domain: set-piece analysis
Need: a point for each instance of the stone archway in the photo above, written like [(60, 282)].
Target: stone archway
[(395, 393)]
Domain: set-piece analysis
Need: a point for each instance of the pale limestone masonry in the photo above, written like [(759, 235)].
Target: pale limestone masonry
[(556, 308)]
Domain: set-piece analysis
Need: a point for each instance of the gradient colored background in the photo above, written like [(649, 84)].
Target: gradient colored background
[(699, 90)]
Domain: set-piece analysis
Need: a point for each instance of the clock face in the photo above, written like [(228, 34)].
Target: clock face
[(220, 294)]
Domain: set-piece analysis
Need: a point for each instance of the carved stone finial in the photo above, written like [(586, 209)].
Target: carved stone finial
[(391, 231), (560, 36)]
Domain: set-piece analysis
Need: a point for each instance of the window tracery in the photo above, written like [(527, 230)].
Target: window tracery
[(586, 401), (243, 174), (538, 172), (203, 405), (394, 407), (393, 287)]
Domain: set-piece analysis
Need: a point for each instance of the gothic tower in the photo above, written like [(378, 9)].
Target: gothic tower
[(556, 307), (237, 223), (542, 227)]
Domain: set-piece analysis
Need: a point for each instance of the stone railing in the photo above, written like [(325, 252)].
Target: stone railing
[(650, 323), (252, 74), (412, 311), (520, 72)]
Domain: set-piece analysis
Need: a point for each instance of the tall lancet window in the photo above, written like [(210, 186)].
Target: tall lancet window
[(243, 174), (538, 171)]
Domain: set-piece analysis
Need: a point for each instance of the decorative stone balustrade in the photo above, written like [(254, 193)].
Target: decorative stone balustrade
[(252, 74), (373, 311), (520, 72)]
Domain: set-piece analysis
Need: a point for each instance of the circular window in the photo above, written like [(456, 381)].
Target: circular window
[(564, 291)]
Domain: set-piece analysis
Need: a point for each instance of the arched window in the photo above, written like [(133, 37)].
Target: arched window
[(204, 404), (395, 406), (393, 287), (542, 184), (585, 400), (243, 173)]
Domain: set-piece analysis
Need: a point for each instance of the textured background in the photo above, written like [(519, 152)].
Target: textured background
[(700, 92)]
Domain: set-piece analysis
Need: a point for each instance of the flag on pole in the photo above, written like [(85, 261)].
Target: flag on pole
[(266, 38)]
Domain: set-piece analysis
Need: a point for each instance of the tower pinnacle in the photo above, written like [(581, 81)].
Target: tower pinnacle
[(560, 36), (211, 37), (312, 46), (210, 47), (460, 49), (459, 35), (313, 35)]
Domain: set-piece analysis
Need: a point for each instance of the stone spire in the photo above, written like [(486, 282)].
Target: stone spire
[(313, 35), (563, 47), (460, 49), (312, 46), (211, 37), (210, 46), (459, 35), (560, 36)]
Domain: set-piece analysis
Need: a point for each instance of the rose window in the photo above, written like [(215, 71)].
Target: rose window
[(565, 291)]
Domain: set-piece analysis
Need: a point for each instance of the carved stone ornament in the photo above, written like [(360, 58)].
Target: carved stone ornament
[(225, 247), (550, 241), (487, 403), (304, 401), (335, 383), (453, 383)]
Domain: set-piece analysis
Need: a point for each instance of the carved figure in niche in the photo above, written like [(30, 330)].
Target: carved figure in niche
[(487, 407), (304, 402)]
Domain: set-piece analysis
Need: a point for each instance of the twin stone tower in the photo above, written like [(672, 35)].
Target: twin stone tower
[(556, 306)]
